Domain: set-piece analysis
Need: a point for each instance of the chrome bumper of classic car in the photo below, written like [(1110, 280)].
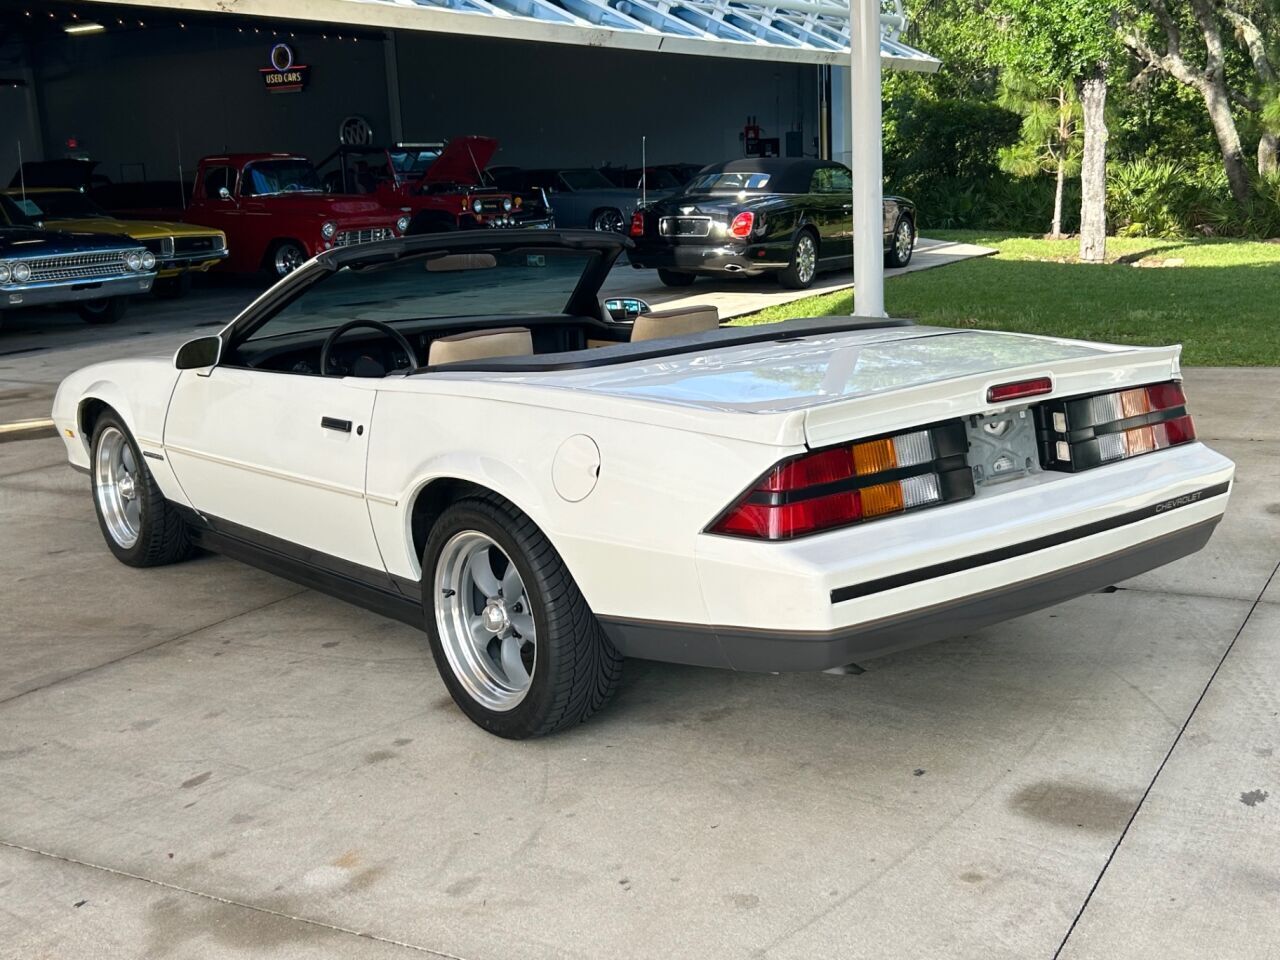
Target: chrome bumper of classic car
[(747, 260), (69, 291), (198, 259)]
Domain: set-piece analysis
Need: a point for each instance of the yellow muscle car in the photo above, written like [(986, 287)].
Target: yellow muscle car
[(180, 248)]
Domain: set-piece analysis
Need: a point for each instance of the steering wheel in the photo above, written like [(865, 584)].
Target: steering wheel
[(378, 325)]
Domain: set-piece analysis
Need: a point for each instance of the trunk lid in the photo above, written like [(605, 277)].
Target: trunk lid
[(858, 383)]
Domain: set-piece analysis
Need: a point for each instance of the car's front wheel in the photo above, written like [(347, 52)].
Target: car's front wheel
[(284, 257), (106, 310), (514, 640), (140, 526)]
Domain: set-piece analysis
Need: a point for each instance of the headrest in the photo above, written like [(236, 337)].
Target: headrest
[(481, 345), (698, 318)]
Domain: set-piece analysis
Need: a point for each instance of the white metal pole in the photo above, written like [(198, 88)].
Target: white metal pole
[(865, 137)]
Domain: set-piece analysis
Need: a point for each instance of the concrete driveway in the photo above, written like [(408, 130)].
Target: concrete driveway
[(206, 761)]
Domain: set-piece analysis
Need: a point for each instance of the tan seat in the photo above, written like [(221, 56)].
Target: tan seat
[(675, 323), (481, 345)]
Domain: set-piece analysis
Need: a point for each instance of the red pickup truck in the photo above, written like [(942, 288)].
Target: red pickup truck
[(442, 186), (276, 215)]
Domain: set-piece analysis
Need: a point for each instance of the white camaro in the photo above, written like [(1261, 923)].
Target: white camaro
[(453, 430)]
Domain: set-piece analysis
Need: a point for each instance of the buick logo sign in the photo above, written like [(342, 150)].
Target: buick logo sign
[(355, 131)]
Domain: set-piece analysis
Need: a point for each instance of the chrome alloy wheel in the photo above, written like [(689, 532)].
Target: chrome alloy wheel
[(903, 241), (289, 257), (608, 221), (806, 258), (485, 621), (117, 485)]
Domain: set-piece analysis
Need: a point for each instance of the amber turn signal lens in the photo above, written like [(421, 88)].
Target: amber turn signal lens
[(874, 457), (881, 499)]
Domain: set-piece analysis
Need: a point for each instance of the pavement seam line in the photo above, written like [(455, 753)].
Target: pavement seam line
[(154, 646), (228, 901), (1160, 769)]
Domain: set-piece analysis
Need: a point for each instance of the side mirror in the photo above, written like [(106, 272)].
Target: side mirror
[(224, 193), (626, 308), (199, 353)]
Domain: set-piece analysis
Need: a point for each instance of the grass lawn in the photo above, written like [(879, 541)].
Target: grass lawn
[(1222, 302)]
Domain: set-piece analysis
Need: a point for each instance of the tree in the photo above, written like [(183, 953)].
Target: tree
[(1068, 43), (1050, 136), (1210, 78)]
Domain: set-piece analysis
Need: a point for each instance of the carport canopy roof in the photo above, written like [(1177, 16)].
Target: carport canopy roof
[(797, 31)]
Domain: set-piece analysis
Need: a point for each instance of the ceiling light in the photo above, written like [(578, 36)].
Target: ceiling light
[(81, 28)]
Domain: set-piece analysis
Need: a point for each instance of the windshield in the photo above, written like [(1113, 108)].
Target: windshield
[(62, 205), (10, 215), (731, 182), (585, 179), (265, 177), (411, 164), (529, 282)]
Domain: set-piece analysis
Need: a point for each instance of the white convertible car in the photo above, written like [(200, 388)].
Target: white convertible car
[(454, 430)]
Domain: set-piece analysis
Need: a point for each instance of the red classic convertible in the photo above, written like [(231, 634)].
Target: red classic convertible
[(276, 214), (442, 186)]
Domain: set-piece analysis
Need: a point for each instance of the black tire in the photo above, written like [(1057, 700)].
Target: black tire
[(162, 537), (608, 220), (283, 257), (173, 288), (576, 668), (98, 312), (673, 278), (799, 273), (892, 257)]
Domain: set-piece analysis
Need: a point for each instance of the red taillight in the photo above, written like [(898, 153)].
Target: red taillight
[(637, 224), (853, 482), (1090, 431), (742, 224), (1019, 389)]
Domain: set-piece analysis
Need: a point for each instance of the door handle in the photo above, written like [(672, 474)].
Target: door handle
[(333, 423)]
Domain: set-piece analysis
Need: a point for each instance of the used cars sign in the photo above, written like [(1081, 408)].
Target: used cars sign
[(284, 76)]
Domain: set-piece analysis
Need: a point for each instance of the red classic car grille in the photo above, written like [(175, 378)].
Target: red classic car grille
[(78, 266), (349, 238), (684, 226)]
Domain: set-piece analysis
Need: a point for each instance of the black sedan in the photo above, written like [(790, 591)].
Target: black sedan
[(790, 217)]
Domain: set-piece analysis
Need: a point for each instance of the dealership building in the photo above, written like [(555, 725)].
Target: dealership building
[(148, 88)]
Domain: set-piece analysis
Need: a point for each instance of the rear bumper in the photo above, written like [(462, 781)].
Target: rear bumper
[(853, 594), (775, 651), (743, 259)]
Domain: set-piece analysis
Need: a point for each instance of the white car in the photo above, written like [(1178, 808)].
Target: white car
[(454, 431)]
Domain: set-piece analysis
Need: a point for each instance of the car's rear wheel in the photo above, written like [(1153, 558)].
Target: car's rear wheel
[(673, 278), (512, 636), (284, 257), (608, 220), (140, 526), (803, 267), (902, 245), (106, 310)]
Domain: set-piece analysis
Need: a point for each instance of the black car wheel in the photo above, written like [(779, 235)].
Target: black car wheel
[(902, 245), (513, 638), (803, 267), (107, 310), (140, 526), (608, 220), (284, 257), (673, 278)]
